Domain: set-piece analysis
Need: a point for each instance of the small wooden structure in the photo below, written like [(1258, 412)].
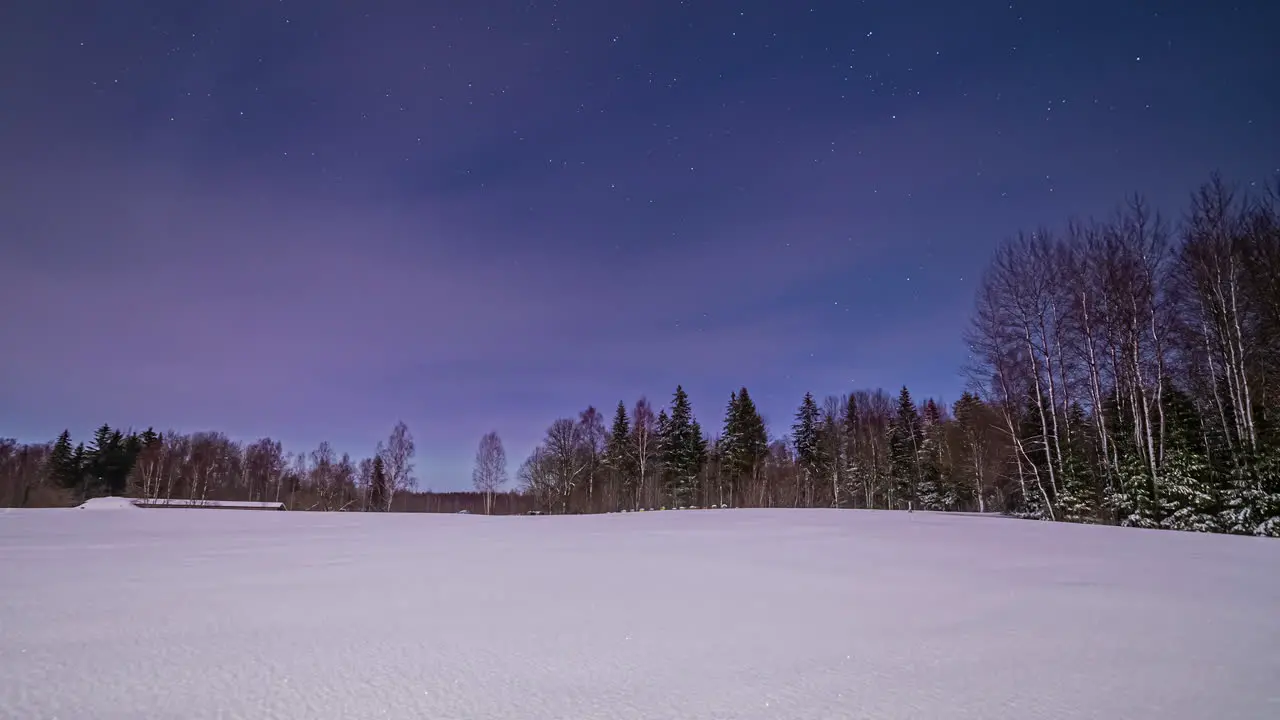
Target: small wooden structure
[(208, 504)]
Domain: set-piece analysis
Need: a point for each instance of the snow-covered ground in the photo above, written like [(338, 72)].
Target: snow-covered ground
[(697, 614)]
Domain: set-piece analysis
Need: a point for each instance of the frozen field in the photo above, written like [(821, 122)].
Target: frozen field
[(793, 615)]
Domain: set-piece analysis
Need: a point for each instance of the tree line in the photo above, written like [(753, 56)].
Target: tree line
[(204, 466), (1122, 371)]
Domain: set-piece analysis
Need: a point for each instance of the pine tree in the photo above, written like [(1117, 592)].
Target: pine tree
[(1253, 495), (1076, 501), (1132, 499), (80, 465), (701, 454), (904, 451), (1189, 494), (620, 454), (102, 458), (63, 467), (857, 475), (733, 464), (933, 494), (804, 440), (755, 437), (731, 434), (744, 443), (973, 447), (831, 446), (1035, 474), (128, 450), (683, 449)]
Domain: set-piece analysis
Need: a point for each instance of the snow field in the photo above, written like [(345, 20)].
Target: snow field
[(715, 614)]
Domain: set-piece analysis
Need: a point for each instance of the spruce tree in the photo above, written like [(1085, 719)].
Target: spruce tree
[(619, 453), (831, 458), (744, 442), (701, 455), (110, 459), (683, 449), (933, 493), (1076, 501), (857, 475), (63, 468), (1132, 499), (1189, 494), (755, 437), (969, 412), (805, 443), (1035, 472), (102, 458), (904, 451), (80, 464), (1132, 495), (1253, 506), (731, 452), (661, 451)]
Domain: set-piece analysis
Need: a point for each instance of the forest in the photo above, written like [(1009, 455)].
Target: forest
[(1123, 370)]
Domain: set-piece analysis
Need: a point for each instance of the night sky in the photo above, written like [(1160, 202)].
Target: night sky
[(312, 219)]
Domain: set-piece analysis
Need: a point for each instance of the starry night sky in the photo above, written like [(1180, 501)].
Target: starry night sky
[(312, 219)]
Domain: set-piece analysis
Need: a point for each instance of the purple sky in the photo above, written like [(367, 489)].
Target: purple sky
[(311, 220)]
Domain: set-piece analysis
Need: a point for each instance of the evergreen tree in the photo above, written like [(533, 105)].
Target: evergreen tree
[(972, 448), (755, 434), (660, 450), (831, 459), (731, 434), (620, 454), (904, 451), (683, 449), (733, 464), (1253, 495), (1189, 493), (701, 455), (1132, 494), (857, 475), (744, 442), (1132, 499), (805, 442), (933, 494), (101, 459), (130, 448), (109, 460), (63, 467), (80, 464), (1076, 501), (1036, 472)]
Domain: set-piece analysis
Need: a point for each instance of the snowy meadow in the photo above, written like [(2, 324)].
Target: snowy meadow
[(176, 613)]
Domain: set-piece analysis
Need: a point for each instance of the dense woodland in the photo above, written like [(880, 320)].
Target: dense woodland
[(1122, 371)]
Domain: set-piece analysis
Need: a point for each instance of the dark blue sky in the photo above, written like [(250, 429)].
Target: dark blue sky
[(312, 219)]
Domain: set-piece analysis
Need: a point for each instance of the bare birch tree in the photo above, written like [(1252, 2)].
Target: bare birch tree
[(537, 479), (643, 432), (566, 461), (593, 433), (490, 472), (397, 455)]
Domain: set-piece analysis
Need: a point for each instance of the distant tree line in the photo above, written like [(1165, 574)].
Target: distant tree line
[(204, 466), (1124, 371)]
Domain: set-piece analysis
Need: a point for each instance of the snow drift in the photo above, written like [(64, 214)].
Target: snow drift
[(108, 503), (701, 614)]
